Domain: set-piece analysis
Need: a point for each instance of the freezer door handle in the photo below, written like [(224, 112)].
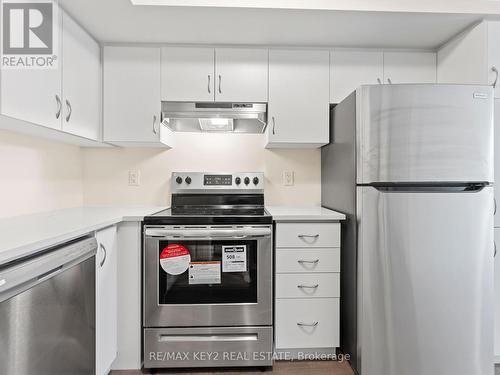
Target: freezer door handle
[(430, 188)]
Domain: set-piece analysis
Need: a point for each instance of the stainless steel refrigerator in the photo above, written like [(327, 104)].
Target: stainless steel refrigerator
[(412, 167)]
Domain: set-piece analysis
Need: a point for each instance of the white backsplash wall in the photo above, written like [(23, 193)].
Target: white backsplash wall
[(38, 175), (106, 170)]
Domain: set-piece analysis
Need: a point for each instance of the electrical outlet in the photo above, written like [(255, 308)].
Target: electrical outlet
[(288, 177), (134, 178)]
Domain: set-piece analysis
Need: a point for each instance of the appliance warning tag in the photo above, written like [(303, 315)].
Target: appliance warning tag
[(234, 258), (204, 273), (174, 259)]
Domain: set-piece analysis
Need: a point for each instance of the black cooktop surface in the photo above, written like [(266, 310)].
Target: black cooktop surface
[(213, 209)]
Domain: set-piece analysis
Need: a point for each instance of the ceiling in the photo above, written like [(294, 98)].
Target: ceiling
[(118, 21)]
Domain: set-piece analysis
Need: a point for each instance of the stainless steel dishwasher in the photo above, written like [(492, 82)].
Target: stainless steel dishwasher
[(47, 312)]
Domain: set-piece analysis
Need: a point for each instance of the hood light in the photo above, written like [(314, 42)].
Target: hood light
[(216, 124)]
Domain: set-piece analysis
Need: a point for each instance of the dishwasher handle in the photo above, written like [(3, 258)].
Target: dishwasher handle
[(35, 270)]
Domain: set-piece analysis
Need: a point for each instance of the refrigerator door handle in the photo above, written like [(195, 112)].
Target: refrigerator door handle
[(428, 188)]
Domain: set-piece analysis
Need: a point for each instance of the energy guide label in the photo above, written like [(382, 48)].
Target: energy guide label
[(234, 258)]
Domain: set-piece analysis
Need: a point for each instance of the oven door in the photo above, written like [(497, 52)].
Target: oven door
[(226, 280)]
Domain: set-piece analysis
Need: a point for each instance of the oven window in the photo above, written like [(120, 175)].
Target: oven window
[(220, 272)]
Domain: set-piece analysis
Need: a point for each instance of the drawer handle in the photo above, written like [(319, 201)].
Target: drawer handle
[(302, 286), (308, 235), (302, 324), (316, 261)]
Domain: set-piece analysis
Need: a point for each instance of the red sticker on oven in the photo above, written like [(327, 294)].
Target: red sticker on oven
[(175, 259)]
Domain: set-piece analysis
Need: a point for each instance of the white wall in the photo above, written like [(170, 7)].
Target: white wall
[(38, 175), (106, 170)]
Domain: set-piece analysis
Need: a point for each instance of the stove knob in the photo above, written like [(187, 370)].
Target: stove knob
[(247, 180), (237, 180), (179, 180), (255, 180), (188, 180)]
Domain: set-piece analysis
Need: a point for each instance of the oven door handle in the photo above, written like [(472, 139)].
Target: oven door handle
[(210, 234)]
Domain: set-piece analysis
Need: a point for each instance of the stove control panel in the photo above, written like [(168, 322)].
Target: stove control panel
[(216, 182)]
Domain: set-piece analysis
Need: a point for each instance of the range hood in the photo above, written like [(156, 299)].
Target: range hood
[(215, 117)]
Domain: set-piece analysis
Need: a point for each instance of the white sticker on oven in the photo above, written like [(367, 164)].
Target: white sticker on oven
[(234, 258), (204, 273)]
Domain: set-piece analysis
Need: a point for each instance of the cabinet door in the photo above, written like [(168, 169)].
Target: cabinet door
[(497, 297), (81, 81), (106, 300), (497, 162), (494, 54), (464, 59), (298, 98), (410, 67), (132, 101), (241, 74), (350, 69), (33, 95), (187, 74)]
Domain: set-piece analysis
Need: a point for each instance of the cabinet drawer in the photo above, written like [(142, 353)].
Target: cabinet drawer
[(307, 260), (308, 235), (307, 285), (307, 323)]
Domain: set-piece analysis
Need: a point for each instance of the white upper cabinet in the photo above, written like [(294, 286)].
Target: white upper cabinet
[(472, 57), (241, 74), (67, 98), (497, 165), (33, 95), (353, 68), (81, 81), (410, 67), (298, 113), (132, 101), (106, 300), (208, 74), (494, 55), (187, 74)]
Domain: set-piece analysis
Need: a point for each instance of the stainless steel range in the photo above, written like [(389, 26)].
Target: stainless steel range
[(208, 274)]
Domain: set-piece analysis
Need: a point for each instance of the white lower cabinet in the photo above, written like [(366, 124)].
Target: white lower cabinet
[(106, 299), (307, 287), (497, 297), (307, 323)]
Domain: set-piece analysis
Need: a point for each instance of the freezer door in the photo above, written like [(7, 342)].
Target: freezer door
[(426, 282), (424, 133)]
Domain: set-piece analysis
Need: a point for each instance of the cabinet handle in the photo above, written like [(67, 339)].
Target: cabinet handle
[(209, 84), (316, 261), (274, 125), (389, 80), (495, 203), (105, 254), (495, 70), (70, 110), (59, 106), (220, 84), (154, 125), (302, 324), (302, 286), (495, 246), (308, 235), (379, 81)]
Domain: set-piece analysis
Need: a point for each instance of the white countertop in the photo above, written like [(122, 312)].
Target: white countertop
[(304, 213), (24, 235)]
